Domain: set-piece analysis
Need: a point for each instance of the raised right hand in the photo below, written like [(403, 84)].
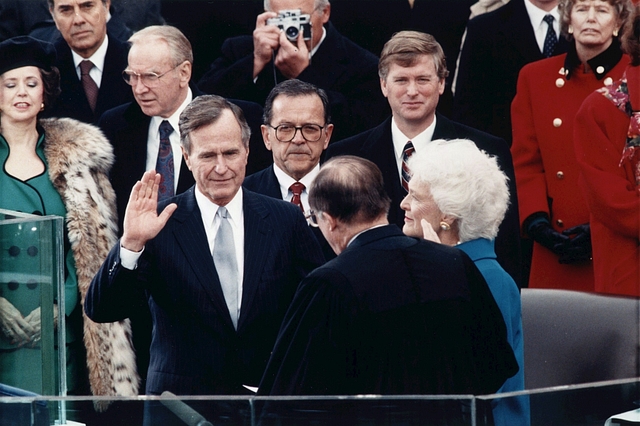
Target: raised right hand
[(265, 41), (141, 219)]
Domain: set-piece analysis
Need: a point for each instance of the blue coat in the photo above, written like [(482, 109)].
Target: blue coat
[(515, 410)]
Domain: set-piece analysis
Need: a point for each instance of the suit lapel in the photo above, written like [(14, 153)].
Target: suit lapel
[(520, 33), (271, 185), (379, 148), (257, 234), (191, 237)]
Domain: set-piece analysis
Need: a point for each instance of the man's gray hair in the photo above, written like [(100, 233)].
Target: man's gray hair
[(179, 44), (205, 110), (465, 183)]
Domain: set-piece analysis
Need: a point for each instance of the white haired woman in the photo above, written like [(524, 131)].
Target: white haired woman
[(458, 196)]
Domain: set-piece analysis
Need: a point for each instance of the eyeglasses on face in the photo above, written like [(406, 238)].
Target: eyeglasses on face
[(312, 218), (149, 79), (286, 132)]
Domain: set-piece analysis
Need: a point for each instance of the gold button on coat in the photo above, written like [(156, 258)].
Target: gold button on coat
[(560, 82), (557, 122), (600, 69), (560, 222), (608, 81), (560, 175)]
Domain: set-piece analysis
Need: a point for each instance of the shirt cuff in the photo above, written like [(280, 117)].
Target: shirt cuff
[(129, 259)]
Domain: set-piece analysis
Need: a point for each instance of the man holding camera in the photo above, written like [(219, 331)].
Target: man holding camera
[(251, 66)]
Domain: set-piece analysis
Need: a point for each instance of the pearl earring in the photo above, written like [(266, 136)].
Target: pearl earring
[(570, 29), (615, 32), (445, 226)]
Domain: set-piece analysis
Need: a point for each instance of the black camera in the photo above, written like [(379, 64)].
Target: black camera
[(292, 22)]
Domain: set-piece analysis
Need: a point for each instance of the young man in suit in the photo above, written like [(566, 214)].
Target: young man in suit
[(391, 314), (412, 73), (250, 67), (90, 61), (219, 264), (297, 129)]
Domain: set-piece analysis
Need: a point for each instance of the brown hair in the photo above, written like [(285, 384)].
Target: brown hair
[(405, 47)]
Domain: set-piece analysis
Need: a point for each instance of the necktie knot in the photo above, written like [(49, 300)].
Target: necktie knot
[(165, 129), (85, 67), (548, 19), (223, 212), (296, 189)]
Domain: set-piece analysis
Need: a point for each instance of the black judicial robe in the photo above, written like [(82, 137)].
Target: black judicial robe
[(391, 315)]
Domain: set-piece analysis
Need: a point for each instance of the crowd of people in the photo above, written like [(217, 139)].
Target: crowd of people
[(305, 219)]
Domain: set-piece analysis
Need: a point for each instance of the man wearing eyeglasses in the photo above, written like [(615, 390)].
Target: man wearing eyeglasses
[(145, 133), (90, 61), (297, 129), (250, 66)]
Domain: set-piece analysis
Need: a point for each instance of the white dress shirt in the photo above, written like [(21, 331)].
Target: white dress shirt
[(153, 140), (286, 181), (98, 62), (536, 15), (211, 221), (400, 140)]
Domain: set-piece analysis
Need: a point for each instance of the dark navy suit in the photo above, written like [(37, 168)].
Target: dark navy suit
[(113, 91), (377, 145), (265, 182), (195, 349)]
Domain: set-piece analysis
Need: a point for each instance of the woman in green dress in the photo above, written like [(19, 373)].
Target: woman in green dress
[(57, 167)]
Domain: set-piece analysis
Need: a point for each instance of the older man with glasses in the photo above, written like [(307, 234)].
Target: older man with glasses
[(297, 129)]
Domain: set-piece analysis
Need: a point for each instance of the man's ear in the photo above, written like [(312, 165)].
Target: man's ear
[(186, 157), (264, 129), (185, 73)]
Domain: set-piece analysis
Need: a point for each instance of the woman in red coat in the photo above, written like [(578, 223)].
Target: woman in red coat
[(607, 144), (552, 209)]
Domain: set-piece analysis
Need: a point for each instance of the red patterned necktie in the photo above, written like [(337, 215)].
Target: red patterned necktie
[(296, 189), (406, 174), (90, 87), (164, 164)]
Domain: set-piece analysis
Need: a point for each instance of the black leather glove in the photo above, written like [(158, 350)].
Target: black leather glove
[(542, 233), (578, 248)]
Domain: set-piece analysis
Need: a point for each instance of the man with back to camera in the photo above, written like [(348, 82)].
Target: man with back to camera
[(412, 73), (219, 264), (89, 59), (250, 67), (391, 314), (297, 129)]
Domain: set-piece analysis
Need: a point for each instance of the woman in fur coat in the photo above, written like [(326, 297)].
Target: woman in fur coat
[(56, 167)]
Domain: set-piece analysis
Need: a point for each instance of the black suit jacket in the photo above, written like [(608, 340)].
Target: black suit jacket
[(195, 349), (72, 101), (266, 183), (127, 127), (347, 72), (497, 45), (377, 145), (391, 315)]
